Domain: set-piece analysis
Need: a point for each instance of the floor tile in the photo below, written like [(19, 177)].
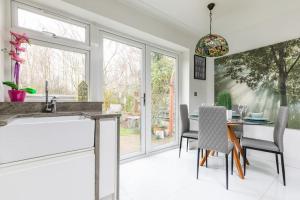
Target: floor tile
[(290, 192), (166, 177)]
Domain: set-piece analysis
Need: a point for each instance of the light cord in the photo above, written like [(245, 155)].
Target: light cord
[(210, 16)]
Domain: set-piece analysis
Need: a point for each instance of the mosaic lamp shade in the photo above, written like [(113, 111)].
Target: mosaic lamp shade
[(212, 45)]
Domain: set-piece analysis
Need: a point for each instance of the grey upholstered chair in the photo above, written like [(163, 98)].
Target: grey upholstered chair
[(275, 147), (238, 129), (213, 133), (185, 127)]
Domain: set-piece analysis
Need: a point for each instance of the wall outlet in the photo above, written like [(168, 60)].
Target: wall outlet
[(195, 94)]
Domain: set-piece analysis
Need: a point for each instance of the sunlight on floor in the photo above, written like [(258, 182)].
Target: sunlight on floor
[(166, 177)]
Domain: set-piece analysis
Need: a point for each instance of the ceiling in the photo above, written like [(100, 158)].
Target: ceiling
[(193, 15), (228, 16)]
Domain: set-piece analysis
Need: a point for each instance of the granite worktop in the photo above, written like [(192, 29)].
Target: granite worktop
[(11, 111)]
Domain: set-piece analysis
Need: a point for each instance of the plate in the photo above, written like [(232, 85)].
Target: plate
[(256, 119)]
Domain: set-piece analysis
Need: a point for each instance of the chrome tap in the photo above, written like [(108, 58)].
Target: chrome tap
[(50, 106)]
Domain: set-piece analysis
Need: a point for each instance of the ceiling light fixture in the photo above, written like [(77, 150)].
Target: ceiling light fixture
[(211, 45)]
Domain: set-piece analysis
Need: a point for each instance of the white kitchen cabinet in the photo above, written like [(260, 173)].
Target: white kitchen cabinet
[(66, 177), (108, 159), (27, 138), (60, 158)]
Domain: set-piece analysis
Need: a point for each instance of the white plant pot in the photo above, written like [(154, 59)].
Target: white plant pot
[(229, 114)]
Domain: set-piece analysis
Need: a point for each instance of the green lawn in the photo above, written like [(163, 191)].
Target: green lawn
[(129, 131)]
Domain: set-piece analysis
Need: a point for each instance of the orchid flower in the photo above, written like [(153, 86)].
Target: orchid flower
[(17, 46), (20, 38), (14, 56)]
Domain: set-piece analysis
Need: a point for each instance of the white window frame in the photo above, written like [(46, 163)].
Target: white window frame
[(41, 39), (65, 48), (15, 5)]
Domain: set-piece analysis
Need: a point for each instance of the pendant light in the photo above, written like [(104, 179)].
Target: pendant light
[(211, 45)]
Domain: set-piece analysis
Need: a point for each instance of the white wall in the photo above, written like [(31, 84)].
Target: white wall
[(184, 85), (204, 88)]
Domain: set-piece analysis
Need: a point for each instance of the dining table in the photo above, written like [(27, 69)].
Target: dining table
[(231, 123)]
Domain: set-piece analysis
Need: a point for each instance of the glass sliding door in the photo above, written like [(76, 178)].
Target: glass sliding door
[(123, 68), (142, 86), (163, 98)]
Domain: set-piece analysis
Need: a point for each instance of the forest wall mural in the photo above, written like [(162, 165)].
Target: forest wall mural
[(263, 79)]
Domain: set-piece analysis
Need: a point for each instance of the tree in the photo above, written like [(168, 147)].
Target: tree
[(276, 67)]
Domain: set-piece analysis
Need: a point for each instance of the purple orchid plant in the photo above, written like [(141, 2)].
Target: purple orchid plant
[(18, 40)]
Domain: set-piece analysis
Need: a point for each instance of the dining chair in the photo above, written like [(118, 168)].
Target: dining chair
[(185, 127), (213, 133), (275, 147)]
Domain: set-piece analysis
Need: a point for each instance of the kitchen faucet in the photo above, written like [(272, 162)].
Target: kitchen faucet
[(50, 106)]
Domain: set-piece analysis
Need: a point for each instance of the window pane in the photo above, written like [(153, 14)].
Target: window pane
[(122, 91), (45, 24), (163, 93), (64, 70)]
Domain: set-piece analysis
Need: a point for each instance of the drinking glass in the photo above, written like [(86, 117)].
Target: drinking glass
[(241, 110), (245, 109)]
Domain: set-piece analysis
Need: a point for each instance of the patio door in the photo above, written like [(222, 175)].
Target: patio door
[(141, 85), (161, 95), (124, 90)]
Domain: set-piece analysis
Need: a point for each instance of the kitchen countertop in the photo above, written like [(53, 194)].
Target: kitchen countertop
[(5, 119), (10, 111)]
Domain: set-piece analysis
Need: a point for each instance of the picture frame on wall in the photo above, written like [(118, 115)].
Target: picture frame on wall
[(199, 67)]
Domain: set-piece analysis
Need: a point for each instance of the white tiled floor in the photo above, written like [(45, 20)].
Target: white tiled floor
[(166, 177)]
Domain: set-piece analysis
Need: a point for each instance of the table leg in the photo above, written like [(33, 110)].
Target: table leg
[(234, 140), (203, 160), (238, 164)]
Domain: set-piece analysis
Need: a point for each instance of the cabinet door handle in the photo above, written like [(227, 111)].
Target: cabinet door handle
[(144, 99)]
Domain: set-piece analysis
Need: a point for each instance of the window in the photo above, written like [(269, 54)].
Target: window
[(59, 52), (50, 26), (64, 69)]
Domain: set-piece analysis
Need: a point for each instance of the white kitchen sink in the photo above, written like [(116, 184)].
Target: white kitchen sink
[(32, 137)]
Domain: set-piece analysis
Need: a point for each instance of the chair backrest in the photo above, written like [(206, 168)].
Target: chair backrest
[(280, 125), (213, 129), (184, 118)]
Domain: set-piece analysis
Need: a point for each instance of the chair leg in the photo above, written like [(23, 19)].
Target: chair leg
[(198, 154), (187, 144), (244, 159), (283, 169), (232, 162), (206, 156), (226, 156), (276, 156), (180, 145)]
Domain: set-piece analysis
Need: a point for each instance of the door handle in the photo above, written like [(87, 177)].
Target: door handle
[(144, 99)]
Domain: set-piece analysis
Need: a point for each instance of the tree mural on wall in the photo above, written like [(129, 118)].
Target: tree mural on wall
[(263, 78), (275, 67)]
